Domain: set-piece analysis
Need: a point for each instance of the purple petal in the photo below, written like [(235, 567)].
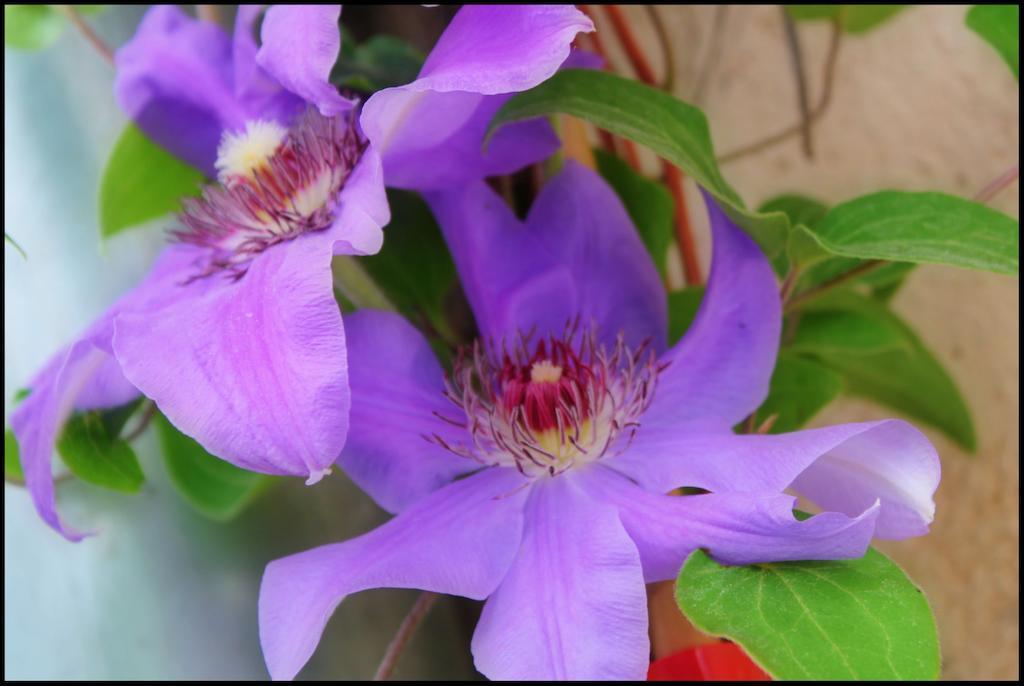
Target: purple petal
[(578, 255), (505, 276), (720, 370), (502, 49), (438, 144), (83, 376), (430, 131), (459, 540), (580, 221), (583, 59), (736, 528), (300, 46), (362, 209), (254, 369), (573, 605), (174, 79), (397, 393), (845, 468)]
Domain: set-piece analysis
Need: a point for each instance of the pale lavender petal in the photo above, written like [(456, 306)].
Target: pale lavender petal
[(83, 376), (362, 209), (844, 468), (397, 396), (254, 369), (573, 605), (720, 370), (262, 96), (430, 131), (736, 528), (243, 44), (174, 78), (578, 255), (459, 540), (38, 420), (300, 46)]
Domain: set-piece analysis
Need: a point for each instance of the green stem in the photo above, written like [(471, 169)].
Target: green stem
[(356, 284), (833, 283), (15, 244)]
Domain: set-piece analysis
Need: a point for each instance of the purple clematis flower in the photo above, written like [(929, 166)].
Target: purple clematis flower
[(235, 333), (535, 475)]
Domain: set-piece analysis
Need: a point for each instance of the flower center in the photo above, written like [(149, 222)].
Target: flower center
[(544, 408), (274, 185)]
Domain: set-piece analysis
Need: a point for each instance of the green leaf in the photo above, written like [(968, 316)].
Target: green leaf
[(846, 331), (818, 621), (682, 309), (923, 228), (799, 208), (414, 267), (381, 62), (31, 27), (649, 205), (142, 181), (671, 128), (12, 459), (852, 18), (800, 388), (854, 335), (215, 488), (1000, 26), (807, 212), (91, 448)]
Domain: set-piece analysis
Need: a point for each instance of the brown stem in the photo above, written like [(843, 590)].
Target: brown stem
[(668, 83), (670, 630), (87, 32), (835, 282), (405, 631), (788, 285), (209, 13), (610, 141), (673, 176), (997, 184), (147, 415), (714, 53), (749, 424), (60, 478), (630, 45), (797, 62), (815, 114), (684, 232), (767, 424)]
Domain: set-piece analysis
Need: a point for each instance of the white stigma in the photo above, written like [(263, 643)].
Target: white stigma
[(545, 371), (241, 153)]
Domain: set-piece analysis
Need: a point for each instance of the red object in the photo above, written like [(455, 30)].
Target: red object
[(710, 662)]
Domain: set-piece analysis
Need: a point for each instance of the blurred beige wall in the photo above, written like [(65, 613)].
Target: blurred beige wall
[(920, 103)]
